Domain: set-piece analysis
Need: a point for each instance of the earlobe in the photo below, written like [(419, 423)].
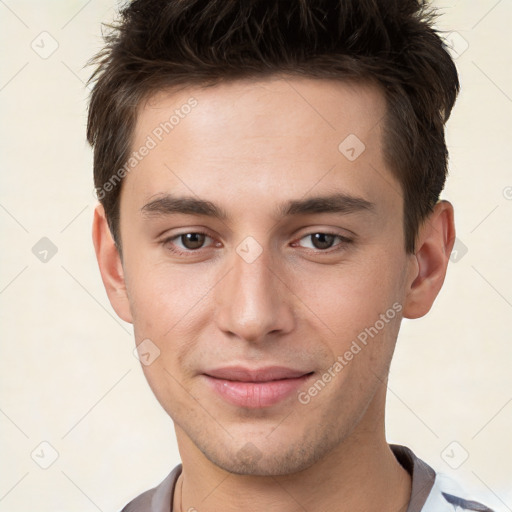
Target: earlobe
[(428, 265), (109, 262)]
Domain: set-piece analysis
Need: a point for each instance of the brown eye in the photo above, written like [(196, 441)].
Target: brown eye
[(189, 244), (192, 240), (322, 240)]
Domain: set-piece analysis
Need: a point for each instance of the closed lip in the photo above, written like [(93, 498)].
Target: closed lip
[(268, 373)]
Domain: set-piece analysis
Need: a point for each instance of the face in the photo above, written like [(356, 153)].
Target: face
[(263, 256)]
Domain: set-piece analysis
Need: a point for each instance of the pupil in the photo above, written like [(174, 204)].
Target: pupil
[(193, 240), (322, 240)]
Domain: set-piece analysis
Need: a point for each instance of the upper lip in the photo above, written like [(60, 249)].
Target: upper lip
[(241, 374)]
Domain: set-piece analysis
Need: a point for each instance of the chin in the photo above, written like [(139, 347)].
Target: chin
[(262, 456)]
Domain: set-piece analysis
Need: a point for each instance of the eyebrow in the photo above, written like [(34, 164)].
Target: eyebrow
[(169, 204), (333, 203)]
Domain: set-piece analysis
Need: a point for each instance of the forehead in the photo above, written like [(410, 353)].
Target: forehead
[(270, 106), (280, 135)]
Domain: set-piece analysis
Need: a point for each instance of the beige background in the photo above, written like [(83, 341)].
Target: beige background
[(68, 373)]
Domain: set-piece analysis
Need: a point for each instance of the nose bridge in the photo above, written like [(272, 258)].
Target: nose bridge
[(252, 301)]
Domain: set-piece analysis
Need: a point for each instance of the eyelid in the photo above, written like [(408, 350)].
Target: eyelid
[(344, 240), (177, 250), (170, 234)]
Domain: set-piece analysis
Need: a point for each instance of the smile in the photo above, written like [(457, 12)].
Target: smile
[(255, 389)]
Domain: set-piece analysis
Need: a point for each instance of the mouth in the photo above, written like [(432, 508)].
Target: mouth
[(256, 388)]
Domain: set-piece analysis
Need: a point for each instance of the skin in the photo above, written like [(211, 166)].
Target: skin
[(250, 147)]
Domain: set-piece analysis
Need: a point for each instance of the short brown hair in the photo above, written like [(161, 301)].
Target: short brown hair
[(158, 44)]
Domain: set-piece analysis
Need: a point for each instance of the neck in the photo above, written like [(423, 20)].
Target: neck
[(361, 473)]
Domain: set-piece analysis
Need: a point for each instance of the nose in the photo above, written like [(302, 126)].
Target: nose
[(253, 302)]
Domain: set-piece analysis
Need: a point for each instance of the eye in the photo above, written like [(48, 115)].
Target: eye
[(187, 242), (323, 241), (192, 240)]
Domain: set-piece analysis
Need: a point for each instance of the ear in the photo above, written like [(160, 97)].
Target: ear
[(110, 264), (434, 245)]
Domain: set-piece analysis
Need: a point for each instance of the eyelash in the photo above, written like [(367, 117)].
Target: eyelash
[(338, 247), (182, 252), (343, 241)]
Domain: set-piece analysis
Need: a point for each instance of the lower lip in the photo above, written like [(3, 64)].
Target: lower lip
[(255, 395)]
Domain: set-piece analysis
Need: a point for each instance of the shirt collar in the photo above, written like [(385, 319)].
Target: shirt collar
[(422, 475)]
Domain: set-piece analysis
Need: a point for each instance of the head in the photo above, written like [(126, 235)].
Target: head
[(269, 176)]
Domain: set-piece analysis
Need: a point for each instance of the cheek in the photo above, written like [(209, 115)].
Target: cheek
[(168, 307), (349, 298), (169, 386), (163, 298), (359, 307)]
